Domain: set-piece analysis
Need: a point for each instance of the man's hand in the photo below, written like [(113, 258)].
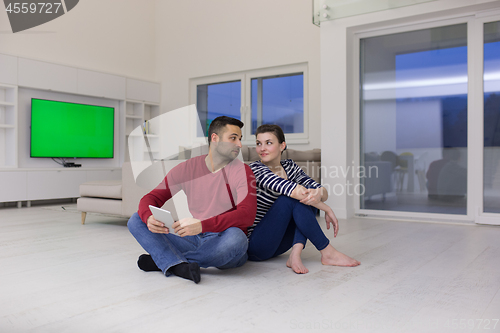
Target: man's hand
[(332, 219), (313, 197), (187, 227), (156, 226)]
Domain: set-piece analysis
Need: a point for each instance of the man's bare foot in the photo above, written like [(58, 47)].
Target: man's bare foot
[(295, 262), (332, 257)]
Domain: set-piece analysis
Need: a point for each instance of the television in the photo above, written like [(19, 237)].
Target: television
[(71, 130)]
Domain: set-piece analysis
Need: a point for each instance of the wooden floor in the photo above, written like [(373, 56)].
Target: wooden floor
[(57, 275)]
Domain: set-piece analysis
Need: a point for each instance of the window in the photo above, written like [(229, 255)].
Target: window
[(269, 96), (491, 109), (429, 120), (218, 99), (414, 115), (279, 100)]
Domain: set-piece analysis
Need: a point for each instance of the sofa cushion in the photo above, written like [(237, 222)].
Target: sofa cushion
[(102, 189), (302, 155), (98, 205), (252, 154), (245, 152)]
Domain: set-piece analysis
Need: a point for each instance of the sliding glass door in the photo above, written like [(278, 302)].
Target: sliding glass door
[(490, 212), (414, 120), (421, 92)]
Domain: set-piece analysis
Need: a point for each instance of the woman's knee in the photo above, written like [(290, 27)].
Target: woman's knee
[(293, 203), (257, 252), (286, 199), (285, 202), (306, 208), (256, 255)]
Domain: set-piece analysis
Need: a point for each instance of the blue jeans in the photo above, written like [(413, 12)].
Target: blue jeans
[(285, 224), (227, 249)]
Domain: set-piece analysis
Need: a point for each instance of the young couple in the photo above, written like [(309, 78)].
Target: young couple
[(239, 212)]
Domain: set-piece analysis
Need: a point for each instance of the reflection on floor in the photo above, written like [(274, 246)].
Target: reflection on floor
[(492, 200), (416, 202), (60, 276), (421, 203)]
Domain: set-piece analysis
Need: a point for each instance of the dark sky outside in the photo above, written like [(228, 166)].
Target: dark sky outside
[(442, 63), (224, 99), (492, 99), (282, 102), (440, 59), (451, 62)]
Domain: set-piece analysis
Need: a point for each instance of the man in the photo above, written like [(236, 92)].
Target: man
[(221, 199)]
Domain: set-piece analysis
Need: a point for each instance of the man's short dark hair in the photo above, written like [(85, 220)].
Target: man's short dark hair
[(218, 124)]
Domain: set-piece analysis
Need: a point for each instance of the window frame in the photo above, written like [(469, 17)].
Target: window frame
[(472, 136), (245, 77), (480, 216), (212, 79)]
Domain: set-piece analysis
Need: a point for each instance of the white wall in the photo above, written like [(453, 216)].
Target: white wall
[(337, 74), (112, 36), (200, 38)]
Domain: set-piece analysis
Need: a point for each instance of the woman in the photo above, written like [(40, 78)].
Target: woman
[(287, 202)]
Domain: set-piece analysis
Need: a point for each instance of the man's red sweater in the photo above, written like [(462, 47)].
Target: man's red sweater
[(223, 199)]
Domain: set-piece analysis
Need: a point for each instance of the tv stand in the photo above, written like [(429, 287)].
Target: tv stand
[(71, 165), (23, 184)]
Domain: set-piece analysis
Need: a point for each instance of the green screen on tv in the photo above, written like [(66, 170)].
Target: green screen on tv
[(70, 130)]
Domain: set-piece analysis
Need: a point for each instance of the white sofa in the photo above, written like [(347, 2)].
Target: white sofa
[(115, 197)]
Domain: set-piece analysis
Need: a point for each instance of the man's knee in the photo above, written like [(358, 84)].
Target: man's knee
[(235, 241), (233, 248), (134, 222), (242, 260)]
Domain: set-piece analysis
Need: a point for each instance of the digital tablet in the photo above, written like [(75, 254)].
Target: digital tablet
[(164, 216)]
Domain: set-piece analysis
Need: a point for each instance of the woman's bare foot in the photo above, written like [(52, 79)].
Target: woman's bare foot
[(295, 262), (332, 257)]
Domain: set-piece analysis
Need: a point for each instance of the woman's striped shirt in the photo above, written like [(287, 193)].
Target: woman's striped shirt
[(270, 186)]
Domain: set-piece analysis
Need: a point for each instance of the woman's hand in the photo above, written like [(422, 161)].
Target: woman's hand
[(332, 219), (299, 192), (313, 197)]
